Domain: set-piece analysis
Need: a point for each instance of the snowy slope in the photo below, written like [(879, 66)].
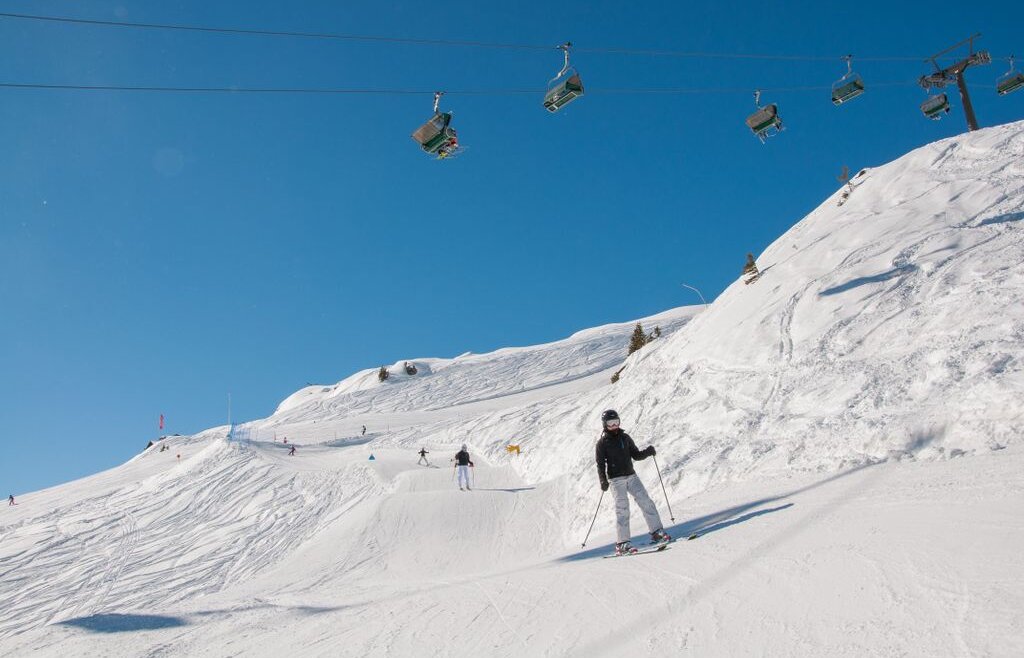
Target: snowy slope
[(889, 327), (845, 434), (210, 512)]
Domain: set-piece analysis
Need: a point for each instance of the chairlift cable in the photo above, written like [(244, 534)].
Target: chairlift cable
[(444, 42), (413, 92), (277, 33)]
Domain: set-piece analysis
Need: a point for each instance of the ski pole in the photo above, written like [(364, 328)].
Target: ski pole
[(667, 504), (583, 545)]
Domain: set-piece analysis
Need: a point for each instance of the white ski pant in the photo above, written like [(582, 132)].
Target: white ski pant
[(631, 484), (463, 471)]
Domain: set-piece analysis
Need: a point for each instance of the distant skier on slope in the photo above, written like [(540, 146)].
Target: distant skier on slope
[(10, 500), (462, 466), (750, 271), (291, 452), (423, 457), (615, 453), (364, 430)]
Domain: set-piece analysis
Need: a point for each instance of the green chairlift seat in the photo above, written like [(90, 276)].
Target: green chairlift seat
[(435, 133), (765, 122), (564, 89), (849, 86), (1010, 82), (934, 107), (844, 91)]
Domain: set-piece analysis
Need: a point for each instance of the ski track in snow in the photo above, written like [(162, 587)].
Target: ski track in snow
[(162, 542)]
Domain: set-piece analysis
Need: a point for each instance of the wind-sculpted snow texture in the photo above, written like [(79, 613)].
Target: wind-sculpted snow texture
[(844, 434), (192, 527)]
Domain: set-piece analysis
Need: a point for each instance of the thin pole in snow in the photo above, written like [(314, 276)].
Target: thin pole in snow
[(667, 504), (584, 544)]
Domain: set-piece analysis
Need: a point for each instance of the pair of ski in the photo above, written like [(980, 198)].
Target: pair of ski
[(652, 548)]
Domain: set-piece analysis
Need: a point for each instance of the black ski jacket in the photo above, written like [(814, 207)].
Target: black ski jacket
[(615, 454), (462, 458)]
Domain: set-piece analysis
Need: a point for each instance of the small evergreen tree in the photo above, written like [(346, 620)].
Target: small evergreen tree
[(382, 374), (655, 334), (615, 377), (637, 340)]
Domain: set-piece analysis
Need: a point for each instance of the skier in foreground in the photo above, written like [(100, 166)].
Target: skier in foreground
[(615, 454), (462, 466)]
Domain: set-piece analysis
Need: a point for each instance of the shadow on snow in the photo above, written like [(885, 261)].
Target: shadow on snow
[(1000, 219), (119, 623), (865, 280), (129, 623), (725, 518)]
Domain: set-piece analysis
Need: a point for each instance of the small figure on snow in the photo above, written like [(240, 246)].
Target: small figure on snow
[(423, 457), (462, 466), (750, 271), (291, 452), (615, 454), (10, 500), (364, 430)]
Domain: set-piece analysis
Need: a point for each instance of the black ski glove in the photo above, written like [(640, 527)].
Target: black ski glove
[(604, 485), (651, 451)]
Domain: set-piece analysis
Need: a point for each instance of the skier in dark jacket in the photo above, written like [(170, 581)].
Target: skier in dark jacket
[(10, 500), (615, 454), (462, 465), (423, 457)]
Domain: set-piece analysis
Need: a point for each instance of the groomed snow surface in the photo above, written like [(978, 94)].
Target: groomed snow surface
[(844, 434)]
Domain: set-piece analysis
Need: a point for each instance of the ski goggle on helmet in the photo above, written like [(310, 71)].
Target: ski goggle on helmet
[(610, 419)]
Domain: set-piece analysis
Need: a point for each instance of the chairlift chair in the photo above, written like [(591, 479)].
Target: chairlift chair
[(565, 87), (765, 122), (849, 86), (436, 136), (1010, 81), (935, 106)]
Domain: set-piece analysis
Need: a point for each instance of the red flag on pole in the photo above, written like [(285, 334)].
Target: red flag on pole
[(161, 421)]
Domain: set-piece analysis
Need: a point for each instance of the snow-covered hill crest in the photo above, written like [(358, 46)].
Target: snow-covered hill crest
[(443, 383)]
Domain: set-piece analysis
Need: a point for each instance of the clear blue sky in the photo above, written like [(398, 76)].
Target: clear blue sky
[(158, 250)]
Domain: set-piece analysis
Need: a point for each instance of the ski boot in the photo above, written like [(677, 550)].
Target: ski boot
[(624, 548), (659, 536)]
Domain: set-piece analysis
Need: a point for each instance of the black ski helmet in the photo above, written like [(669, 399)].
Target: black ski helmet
[(610, 414)]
